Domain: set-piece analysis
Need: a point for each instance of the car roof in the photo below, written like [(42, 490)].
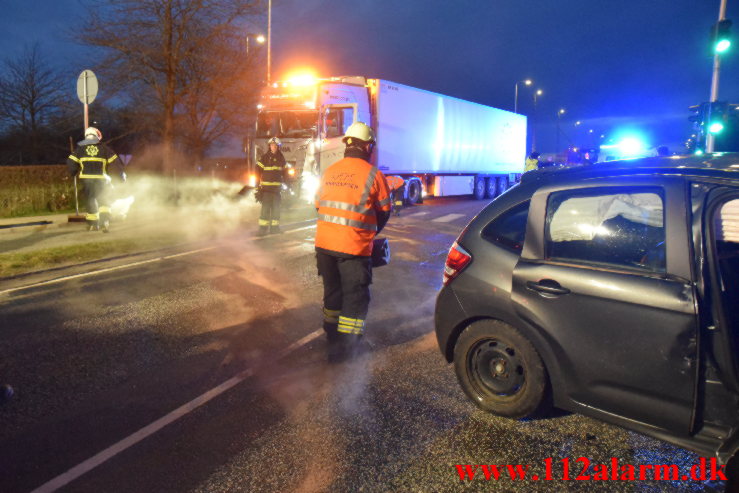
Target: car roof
[(719, 164)]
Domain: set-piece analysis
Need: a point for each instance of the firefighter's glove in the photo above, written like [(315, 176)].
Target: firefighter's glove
[(258, 195), (108, 179), (123, 176)]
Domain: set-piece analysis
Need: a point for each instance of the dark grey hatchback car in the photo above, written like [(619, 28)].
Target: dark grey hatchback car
[(611, 290)]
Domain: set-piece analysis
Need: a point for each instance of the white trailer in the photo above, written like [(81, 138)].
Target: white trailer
[(439, 144)]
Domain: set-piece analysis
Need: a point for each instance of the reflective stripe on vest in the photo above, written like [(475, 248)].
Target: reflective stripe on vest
[(345, 221), (346, 207)]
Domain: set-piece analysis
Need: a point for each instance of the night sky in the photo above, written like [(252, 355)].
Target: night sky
[(613, 65)]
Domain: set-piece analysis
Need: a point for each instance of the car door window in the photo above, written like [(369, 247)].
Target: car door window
[(509, 228), (609, 227), (726, 227)]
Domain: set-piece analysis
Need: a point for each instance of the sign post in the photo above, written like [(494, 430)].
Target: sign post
[(87, 89)]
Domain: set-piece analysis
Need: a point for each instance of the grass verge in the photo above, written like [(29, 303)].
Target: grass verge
[(12, 264)]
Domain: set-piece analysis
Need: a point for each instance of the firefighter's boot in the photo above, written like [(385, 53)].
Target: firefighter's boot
[(275, 230), (263, 231), (92, 225), (331, 330), (105, 221)]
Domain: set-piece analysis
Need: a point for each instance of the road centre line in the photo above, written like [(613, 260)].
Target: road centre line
[(110, 452), (101, 271), (447, 218)]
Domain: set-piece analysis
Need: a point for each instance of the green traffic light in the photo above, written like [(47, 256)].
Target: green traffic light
[(723, 46), (716, 127), (721, 36)]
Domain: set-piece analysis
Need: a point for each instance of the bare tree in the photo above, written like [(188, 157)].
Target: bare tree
[(160, 45), (218, 89), (30, 96)]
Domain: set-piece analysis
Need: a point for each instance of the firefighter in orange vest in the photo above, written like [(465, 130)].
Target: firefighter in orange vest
[(353, 203), (396, 183)]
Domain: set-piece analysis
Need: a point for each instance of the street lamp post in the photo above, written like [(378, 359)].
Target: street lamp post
[(528, 82), (269, 41), (559, 117), (537, 93)]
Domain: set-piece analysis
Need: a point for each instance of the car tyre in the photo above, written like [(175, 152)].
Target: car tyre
[(500, 370)]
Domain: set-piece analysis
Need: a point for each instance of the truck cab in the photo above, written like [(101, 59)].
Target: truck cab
[(310, 117)]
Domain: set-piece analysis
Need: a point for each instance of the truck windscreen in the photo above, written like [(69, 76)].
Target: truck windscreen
[(297, 124)]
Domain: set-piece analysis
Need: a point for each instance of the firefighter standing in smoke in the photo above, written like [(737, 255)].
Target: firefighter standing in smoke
[(353, 204), (271, 176), (90, 161)]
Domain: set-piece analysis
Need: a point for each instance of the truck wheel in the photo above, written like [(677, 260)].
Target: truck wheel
[(479, 191), (491, 187), (501, 185), (415, 193), (499, 369)]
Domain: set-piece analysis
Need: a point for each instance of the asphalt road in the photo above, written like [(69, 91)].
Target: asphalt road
[(207, 372)]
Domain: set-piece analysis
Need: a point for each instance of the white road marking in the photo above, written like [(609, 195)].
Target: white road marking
[(417, 214), (300, 229), (447, 218), (101, 271), (110, 452)]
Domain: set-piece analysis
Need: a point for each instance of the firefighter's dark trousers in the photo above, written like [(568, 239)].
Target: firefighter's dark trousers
[(346, 293), (97, 201), (270, 215)]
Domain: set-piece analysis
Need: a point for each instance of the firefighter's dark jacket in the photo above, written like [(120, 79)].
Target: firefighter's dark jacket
[(91, 159), (271, 171)]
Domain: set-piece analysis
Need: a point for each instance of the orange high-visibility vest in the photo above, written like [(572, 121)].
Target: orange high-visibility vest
[(351, 191)]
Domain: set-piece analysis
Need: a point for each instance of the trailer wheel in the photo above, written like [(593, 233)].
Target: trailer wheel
[(415, 193), (479, 191), (491, 187), (501, 185)]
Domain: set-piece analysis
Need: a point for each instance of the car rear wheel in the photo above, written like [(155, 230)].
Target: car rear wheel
[(499, 369)]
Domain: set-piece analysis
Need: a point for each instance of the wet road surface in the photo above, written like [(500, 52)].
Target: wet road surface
[(223, 343)]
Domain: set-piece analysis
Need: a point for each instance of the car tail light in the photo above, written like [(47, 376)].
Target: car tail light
[(456, 261)]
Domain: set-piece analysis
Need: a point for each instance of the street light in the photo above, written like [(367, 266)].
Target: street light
[(259, 38), (528, 82)]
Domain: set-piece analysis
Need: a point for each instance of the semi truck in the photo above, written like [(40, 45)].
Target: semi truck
[(440, 145)]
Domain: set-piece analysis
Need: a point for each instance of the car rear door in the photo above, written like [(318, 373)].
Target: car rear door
[(605, 275)]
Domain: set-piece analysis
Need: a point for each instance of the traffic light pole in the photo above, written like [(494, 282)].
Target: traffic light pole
[(715, 78)]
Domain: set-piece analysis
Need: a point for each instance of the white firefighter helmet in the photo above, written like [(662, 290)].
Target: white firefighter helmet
[(93, 133), (360, 131), (274, 140)]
